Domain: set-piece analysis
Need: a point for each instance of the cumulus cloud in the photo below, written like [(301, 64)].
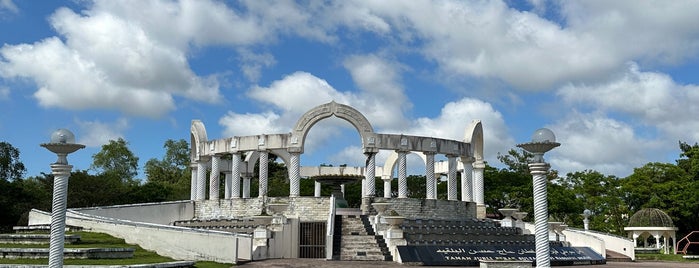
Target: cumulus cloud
[(455, 116), (596, 142), (652, 98), (97, 133), (8, 6)]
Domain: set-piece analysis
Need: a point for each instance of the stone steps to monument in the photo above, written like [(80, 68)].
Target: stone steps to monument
[(613, 256), (42, 228), (68, 253), (357, 242), (34, 238)]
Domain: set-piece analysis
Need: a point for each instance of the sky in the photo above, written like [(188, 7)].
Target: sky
[(616, 81)]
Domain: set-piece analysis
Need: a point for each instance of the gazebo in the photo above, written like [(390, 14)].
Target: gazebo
[(655, 222)]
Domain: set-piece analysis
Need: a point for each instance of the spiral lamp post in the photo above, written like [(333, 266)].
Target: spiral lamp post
[(543, 141), (586, 221), (62, 143)]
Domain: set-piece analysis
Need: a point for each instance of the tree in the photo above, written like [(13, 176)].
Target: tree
[(173, 168), (600, 194), (689, 159), (11, 168), (115, 159)]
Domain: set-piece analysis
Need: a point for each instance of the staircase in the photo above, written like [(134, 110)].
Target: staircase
[(613, 256), (357, 240)]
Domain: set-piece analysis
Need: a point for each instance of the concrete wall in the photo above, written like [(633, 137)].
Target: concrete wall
[(175, 242), (158, 213), (304, 208), (599, 242), (413, 208)]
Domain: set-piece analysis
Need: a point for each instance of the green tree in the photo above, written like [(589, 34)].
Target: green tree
[(667, 187), (116, 159), (600, 194), (689, 159), (173, 168), (11, 168)]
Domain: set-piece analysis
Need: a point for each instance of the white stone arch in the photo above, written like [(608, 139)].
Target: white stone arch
[(474, 136), (348, 113), (252, 156), (198, 137), (392, 160)]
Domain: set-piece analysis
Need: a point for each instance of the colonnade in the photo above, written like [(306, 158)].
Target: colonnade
[(237, 177)]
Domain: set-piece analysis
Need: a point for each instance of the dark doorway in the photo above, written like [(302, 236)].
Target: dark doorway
[(312, 240)]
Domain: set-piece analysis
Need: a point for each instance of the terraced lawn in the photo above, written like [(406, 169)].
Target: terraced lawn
[(101, 240)]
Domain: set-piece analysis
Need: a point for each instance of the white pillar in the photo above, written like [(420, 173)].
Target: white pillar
[(451, 178), (467, 180), (202, 165), (479, 188), (402, 175), (387, 187), (264, 159), (541, 227), (370, 176), (61, 173), (316, 189), (235, 175), (193, 186), (431, 190), (246, 185), (294, 175), (228, 187), (215, 177)]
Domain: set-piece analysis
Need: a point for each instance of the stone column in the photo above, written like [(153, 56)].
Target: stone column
[(370, 175), (202, 165), (294, 175), (316, 189), (61, 173), (402, 175), (193, 186), (264, 159), (386, 187), (451, 179), (227, 189), (235, 175), (467, 180), (246, 185), (541, 226), (215, 177), (431, 190), (479, 188)]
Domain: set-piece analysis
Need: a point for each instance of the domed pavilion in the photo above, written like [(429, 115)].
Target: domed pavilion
[(652, 222)]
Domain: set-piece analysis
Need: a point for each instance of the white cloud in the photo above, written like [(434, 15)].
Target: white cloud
[(8, 5), (4, 93), (251, 124), (456, 116), (653, 99), (96, 133), (251, 63), (592, 141)]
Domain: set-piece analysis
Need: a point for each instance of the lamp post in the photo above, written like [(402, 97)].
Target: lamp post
[(586, 221), (543, 141), (62, 143)]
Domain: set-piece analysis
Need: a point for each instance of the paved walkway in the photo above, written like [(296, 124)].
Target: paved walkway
[(319, 263)]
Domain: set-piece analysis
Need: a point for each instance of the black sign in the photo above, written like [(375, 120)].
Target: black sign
[(472, 255)]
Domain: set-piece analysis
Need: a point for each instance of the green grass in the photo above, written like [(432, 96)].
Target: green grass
[(100, 240), (663, 257)]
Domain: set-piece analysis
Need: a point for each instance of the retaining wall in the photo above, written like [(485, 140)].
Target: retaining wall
[(171, 241), (158, 213), (303, 208), (413, 208)]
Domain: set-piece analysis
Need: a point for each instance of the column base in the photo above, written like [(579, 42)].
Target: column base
[(480, 211)]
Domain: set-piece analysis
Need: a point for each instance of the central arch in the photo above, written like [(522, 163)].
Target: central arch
[(320, 112)]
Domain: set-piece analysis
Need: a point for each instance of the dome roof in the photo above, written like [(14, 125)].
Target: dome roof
[(650, 217)]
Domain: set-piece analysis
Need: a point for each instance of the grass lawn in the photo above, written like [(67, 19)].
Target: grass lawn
[(100, 240), (664, 257)]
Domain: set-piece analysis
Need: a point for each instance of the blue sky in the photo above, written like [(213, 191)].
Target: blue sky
[(616, 81)]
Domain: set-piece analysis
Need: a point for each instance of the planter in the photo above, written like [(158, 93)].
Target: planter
[(394, 221)]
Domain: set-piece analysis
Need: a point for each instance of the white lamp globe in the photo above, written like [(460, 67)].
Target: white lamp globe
[(543, 135), (62, 135)]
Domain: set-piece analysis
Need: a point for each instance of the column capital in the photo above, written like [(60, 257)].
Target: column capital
[(479, 164)]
